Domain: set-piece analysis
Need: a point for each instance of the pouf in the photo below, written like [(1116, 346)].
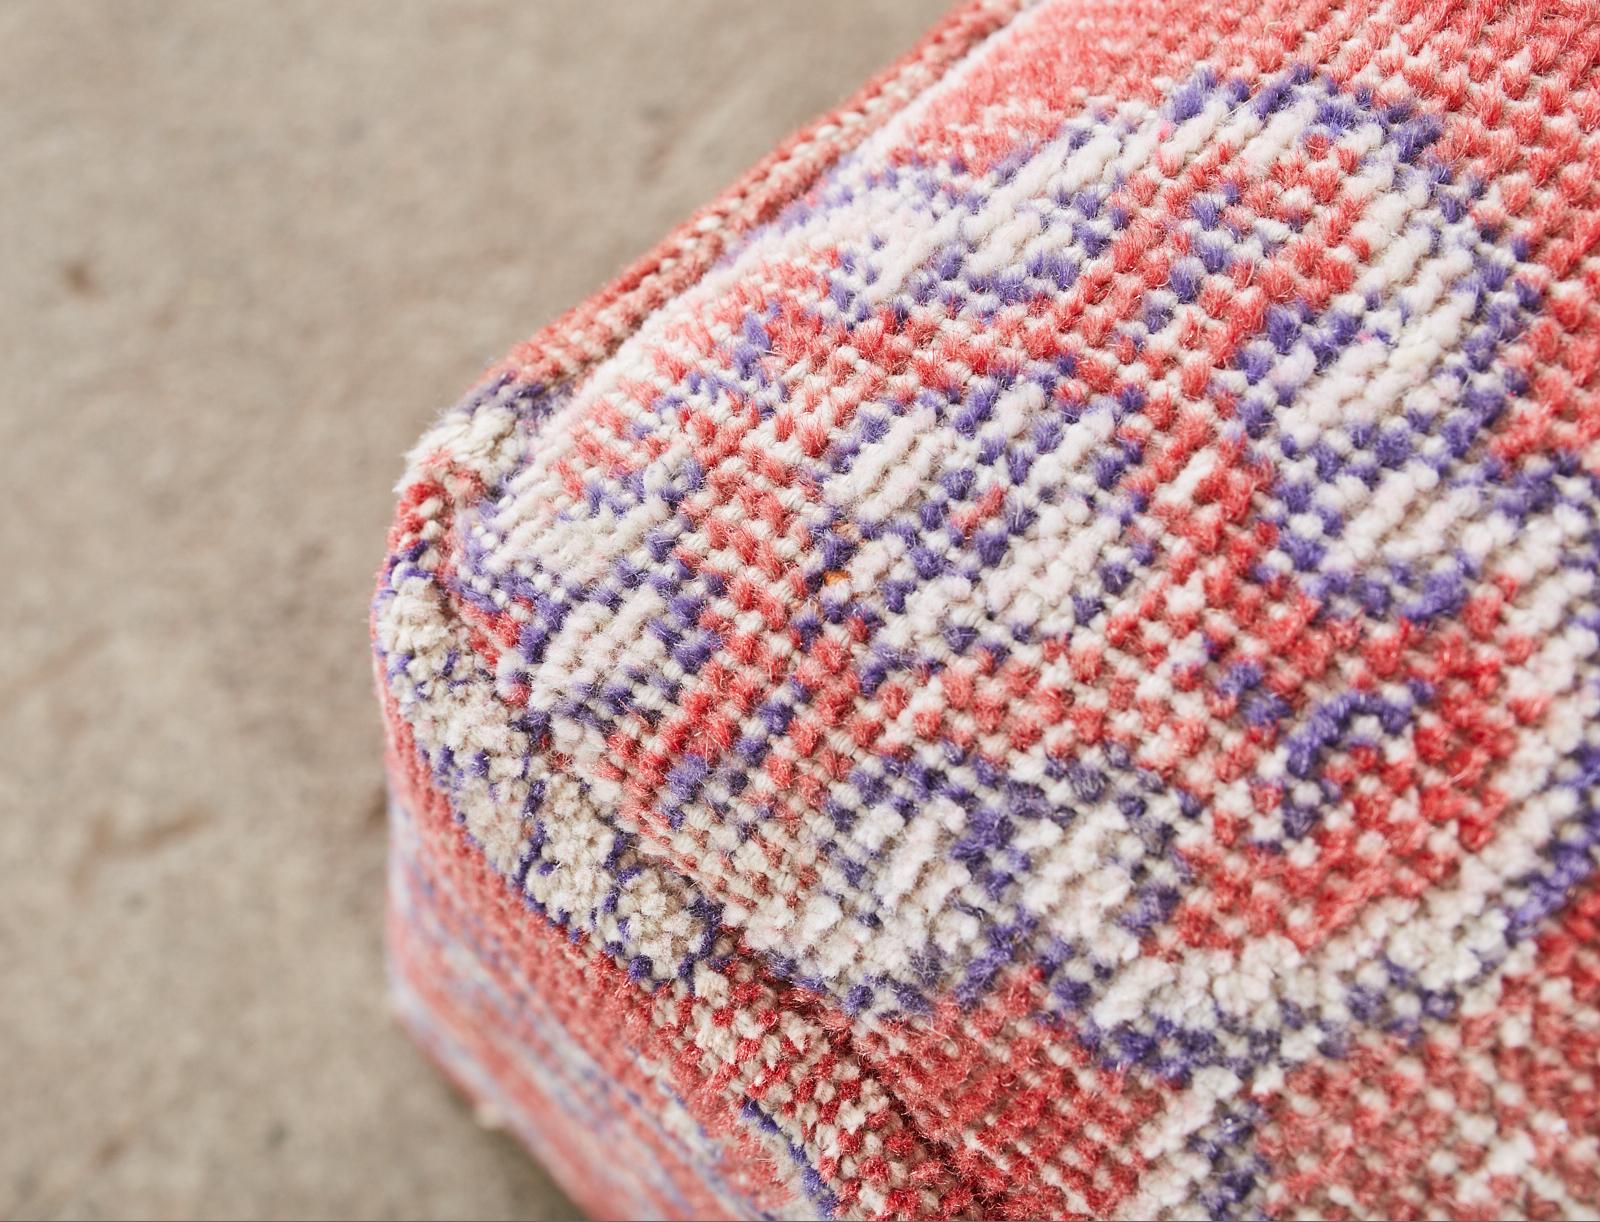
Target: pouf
[(1038, 658)]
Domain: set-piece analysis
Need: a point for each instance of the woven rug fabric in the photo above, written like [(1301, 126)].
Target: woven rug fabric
[(1040, 657)]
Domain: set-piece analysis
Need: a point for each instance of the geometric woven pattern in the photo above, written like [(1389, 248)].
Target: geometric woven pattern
[(1041, 656)]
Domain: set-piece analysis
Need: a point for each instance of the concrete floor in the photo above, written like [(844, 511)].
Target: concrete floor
[(247, 250)]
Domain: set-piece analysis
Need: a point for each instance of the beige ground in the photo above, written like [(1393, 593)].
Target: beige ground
[(245, 251)]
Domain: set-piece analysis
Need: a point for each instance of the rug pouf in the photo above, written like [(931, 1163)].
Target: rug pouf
[(1040, 657)]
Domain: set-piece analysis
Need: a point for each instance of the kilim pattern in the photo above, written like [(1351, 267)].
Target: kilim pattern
[(1041, 656)]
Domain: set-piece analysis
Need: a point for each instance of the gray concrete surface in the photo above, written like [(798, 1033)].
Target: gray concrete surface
[(246, 251)]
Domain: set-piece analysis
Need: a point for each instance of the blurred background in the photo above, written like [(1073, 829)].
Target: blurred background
[(247, 251)]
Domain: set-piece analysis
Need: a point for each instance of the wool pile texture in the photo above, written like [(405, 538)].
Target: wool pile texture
[(1040, 657)]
